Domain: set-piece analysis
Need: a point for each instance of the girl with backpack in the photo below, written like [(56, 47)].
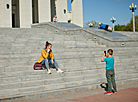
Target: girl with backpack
[(47, 58)]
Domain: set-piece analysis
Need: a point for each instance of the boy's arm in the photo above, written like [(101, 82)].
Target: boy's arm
[(102, 60)]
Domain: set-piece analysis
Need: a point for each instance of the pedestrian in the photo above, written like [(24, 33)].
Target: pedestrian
[(55, 19), (47, 58), (110, 73)]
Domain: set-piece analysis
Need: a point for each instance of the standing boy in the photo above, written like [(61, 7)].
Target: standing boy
[(110, 74)]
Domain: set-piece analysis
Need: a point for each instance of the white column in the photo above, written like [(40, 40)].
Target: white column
[(113, 26), (61, 5), (1, 11), (5, 16), (44, 10), (25, 13), (77, 12), (133, 15)]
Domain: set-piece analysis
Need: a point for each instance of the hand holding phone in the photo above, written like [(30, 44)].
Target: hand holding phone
[(105, 53)]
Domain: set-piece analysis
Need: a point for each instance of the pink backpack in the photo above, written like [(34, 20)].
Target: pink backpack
[(37, 66)]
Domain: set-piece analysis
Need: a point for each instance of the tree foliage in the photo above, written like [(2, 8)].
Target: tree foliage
[(95, 24), (129, 26)]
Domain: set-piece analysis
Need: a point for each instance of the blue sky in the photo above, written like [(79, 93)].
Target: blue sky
[(104, 10)]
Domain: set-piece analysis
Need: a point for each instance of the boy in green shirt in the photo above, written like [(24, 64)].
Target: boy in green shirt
[(110, 74)]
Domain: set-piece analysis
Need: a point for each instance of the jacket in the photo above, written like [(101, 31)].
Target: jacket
[(103, 26), (44, 55)]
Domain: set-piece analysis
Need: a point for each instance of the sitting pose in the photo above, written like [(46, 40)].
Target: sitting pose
[(47, 58)]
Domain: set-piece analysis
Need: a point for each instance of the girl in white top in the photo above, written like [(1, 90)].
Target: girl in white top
[(55, 19)]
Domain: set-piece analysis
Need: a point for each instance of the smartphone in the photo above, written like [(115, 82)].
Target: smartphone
[(105, 53)]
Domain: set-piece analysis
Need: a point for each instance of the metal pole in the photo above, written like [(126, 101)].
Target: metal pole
[(113, 26), (133, 21)]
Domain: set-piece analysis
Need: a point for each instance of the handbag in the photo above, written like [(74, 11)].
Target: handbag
[(37, 66)]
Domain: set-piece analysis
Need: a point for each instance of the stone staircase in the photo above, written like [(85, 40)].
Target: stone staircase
[(78, 55)]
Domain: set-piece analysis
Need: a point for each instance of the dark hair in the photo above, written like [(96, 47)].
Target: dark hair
[(110, 51), (47, 44)]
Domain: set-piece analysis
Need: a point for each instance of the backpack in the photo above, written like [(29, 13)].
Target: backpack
[(37, 66)]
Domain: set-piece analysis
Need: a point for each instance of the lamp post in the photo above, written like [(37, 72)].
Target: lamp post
[(90, 25), (113, 20), (133, 8)]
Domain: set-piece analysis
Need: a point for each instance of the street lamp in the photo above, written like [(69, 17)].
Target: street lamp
[(133, 8), (90, 25), (113, 20)]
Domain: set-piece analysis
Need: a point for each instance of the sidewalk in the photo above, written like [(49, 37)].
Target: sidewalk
[(126, 93)]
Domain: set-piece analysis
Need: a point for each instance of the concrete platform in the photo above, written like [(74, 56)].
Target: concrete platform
[(113, 34), (68, 25), (126, 93)]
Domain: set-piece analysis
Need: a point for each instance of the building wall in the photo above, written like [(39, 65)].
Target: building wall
[(1, 11), (77, 12), (5, 14), (61, 5), (43, 11), (25, 13)]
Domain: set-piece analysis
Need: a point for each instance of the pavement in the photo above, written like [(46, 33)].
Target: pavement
[(126, 93)]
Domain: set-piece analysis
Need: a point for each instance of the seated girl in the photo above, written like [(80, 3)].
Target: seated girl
[(47, 58)]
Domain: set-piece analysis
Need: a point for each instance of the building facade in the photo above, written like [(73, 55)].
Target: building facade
[(24, 13)]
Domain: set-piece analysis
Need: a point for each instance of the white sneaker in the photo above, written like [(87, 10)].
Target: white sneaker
[(49, 71), (59, 71)]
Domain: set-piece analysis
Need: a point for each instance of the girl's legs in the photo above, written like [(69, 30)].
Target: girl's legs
[(46, 63), (57, 67), (56, 64)]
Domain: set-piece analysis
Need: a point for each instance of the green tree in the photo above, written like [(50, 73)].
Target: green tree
[(95, 24), (129, 26)]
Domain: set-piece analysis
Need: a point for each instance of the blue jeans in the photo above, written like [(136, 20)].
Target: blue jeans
[(46, 62)]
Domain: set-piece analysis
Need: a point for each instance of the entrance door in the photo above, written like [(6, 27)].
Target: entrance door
[(53, 9), (13, 20), (15, 13), (35, 11)]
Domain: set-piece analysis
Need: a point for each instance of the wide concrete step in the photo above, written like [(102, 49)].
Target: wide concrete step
[(66, 69), (16, 62), (65, 44), (43, 88), (63, 55), (35, 76), (46, 81), (56, 50), (35, 95)]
